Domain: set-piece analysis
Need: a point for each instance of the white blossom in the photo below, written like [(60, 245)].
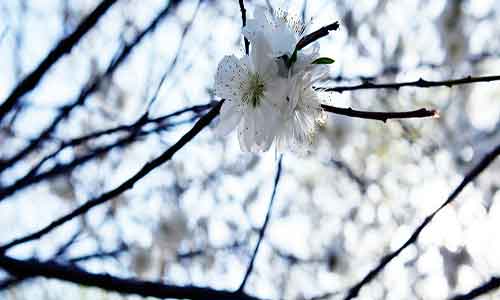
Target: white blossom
[(301, 115), (269, 95), (251, 89), (282, 30)]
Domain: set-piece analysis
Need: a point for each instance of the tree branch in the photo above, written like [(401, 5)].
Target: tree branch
[(34, 268), (263, 228), (397, 69), (64, 46), (417, 83), (89, 89), (316, 35), (32, 177), (476, 171), (244, 23), (380, 116), (128, 184), (492, 284)]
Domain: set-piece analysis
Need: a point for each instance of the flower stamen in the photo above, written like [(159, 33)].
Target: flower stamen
[(254, 90)]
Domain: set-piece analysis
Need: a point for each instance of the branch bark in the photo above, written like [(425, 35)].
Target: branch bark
[(380, 116), (128, 184), (476, 171), (492, 284), (263, 228), (421, 83), (34, 268)]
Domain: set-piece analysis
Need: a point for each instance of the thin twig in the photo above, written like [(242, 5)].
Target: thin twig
[(492, 284), (397, 69), (91, 87), (174, 62), (97, 255), (417, 83), (128, 184), (9, 282), (316, 35), (34, 268), (244, 23), (64, 46), (476, 171), (380, 116), (264, 226), (62, 168)]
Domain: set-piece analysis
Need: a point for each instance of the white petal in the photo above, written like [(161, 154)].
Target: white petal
[(231, 75), (246, 134), (259, 24), (229, 118), (262, 61)]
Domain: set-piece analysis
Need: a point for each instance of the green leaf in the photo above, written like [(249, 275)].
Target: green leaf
[(323, 61)]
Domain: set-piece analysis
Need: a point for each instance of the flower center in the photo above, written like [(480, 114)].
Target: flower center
[(254, 90)]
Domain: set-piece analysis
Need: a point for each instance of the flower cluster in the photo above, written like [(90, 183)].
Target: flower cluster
[(268, 93)]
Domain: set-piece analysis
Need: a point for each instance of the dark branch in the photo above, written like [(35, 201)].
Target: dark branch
[(476, 171), (34, 268), (10, 282), (380, 116), (99, 255), (417, 83), (244, 23), (263, 228), (64, 46), (33, 177), (128, 184), (89, 89), (492, 284), (316, 35)]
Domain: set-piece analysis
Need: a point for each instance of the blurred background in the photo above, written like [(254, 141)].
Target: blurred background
[(359, 194)]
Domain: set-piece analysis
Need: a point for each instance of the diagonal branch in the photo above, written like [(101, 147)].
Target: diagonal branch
[(89, 89), (421, 83), (380, 116), (33, 177), (263, 228), (33, 268), (316, 35), (128, 184), (64, 46), (476, 171), (492, 284)]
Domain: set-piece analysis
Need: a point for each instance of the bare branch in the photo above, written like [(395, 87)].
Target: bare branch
[(263, 228), (492, 284), (34, 268), (316, 35), (421, 83), (33, 177), (64, 46), (128, 184), (244, 23), (380, 116), (476, 171), (89, 89), (397, 69)]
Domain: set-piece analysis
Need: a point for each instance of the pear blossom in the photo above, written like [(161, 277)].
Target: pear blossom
[(248, 84), (301, 115), (269, 94)]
